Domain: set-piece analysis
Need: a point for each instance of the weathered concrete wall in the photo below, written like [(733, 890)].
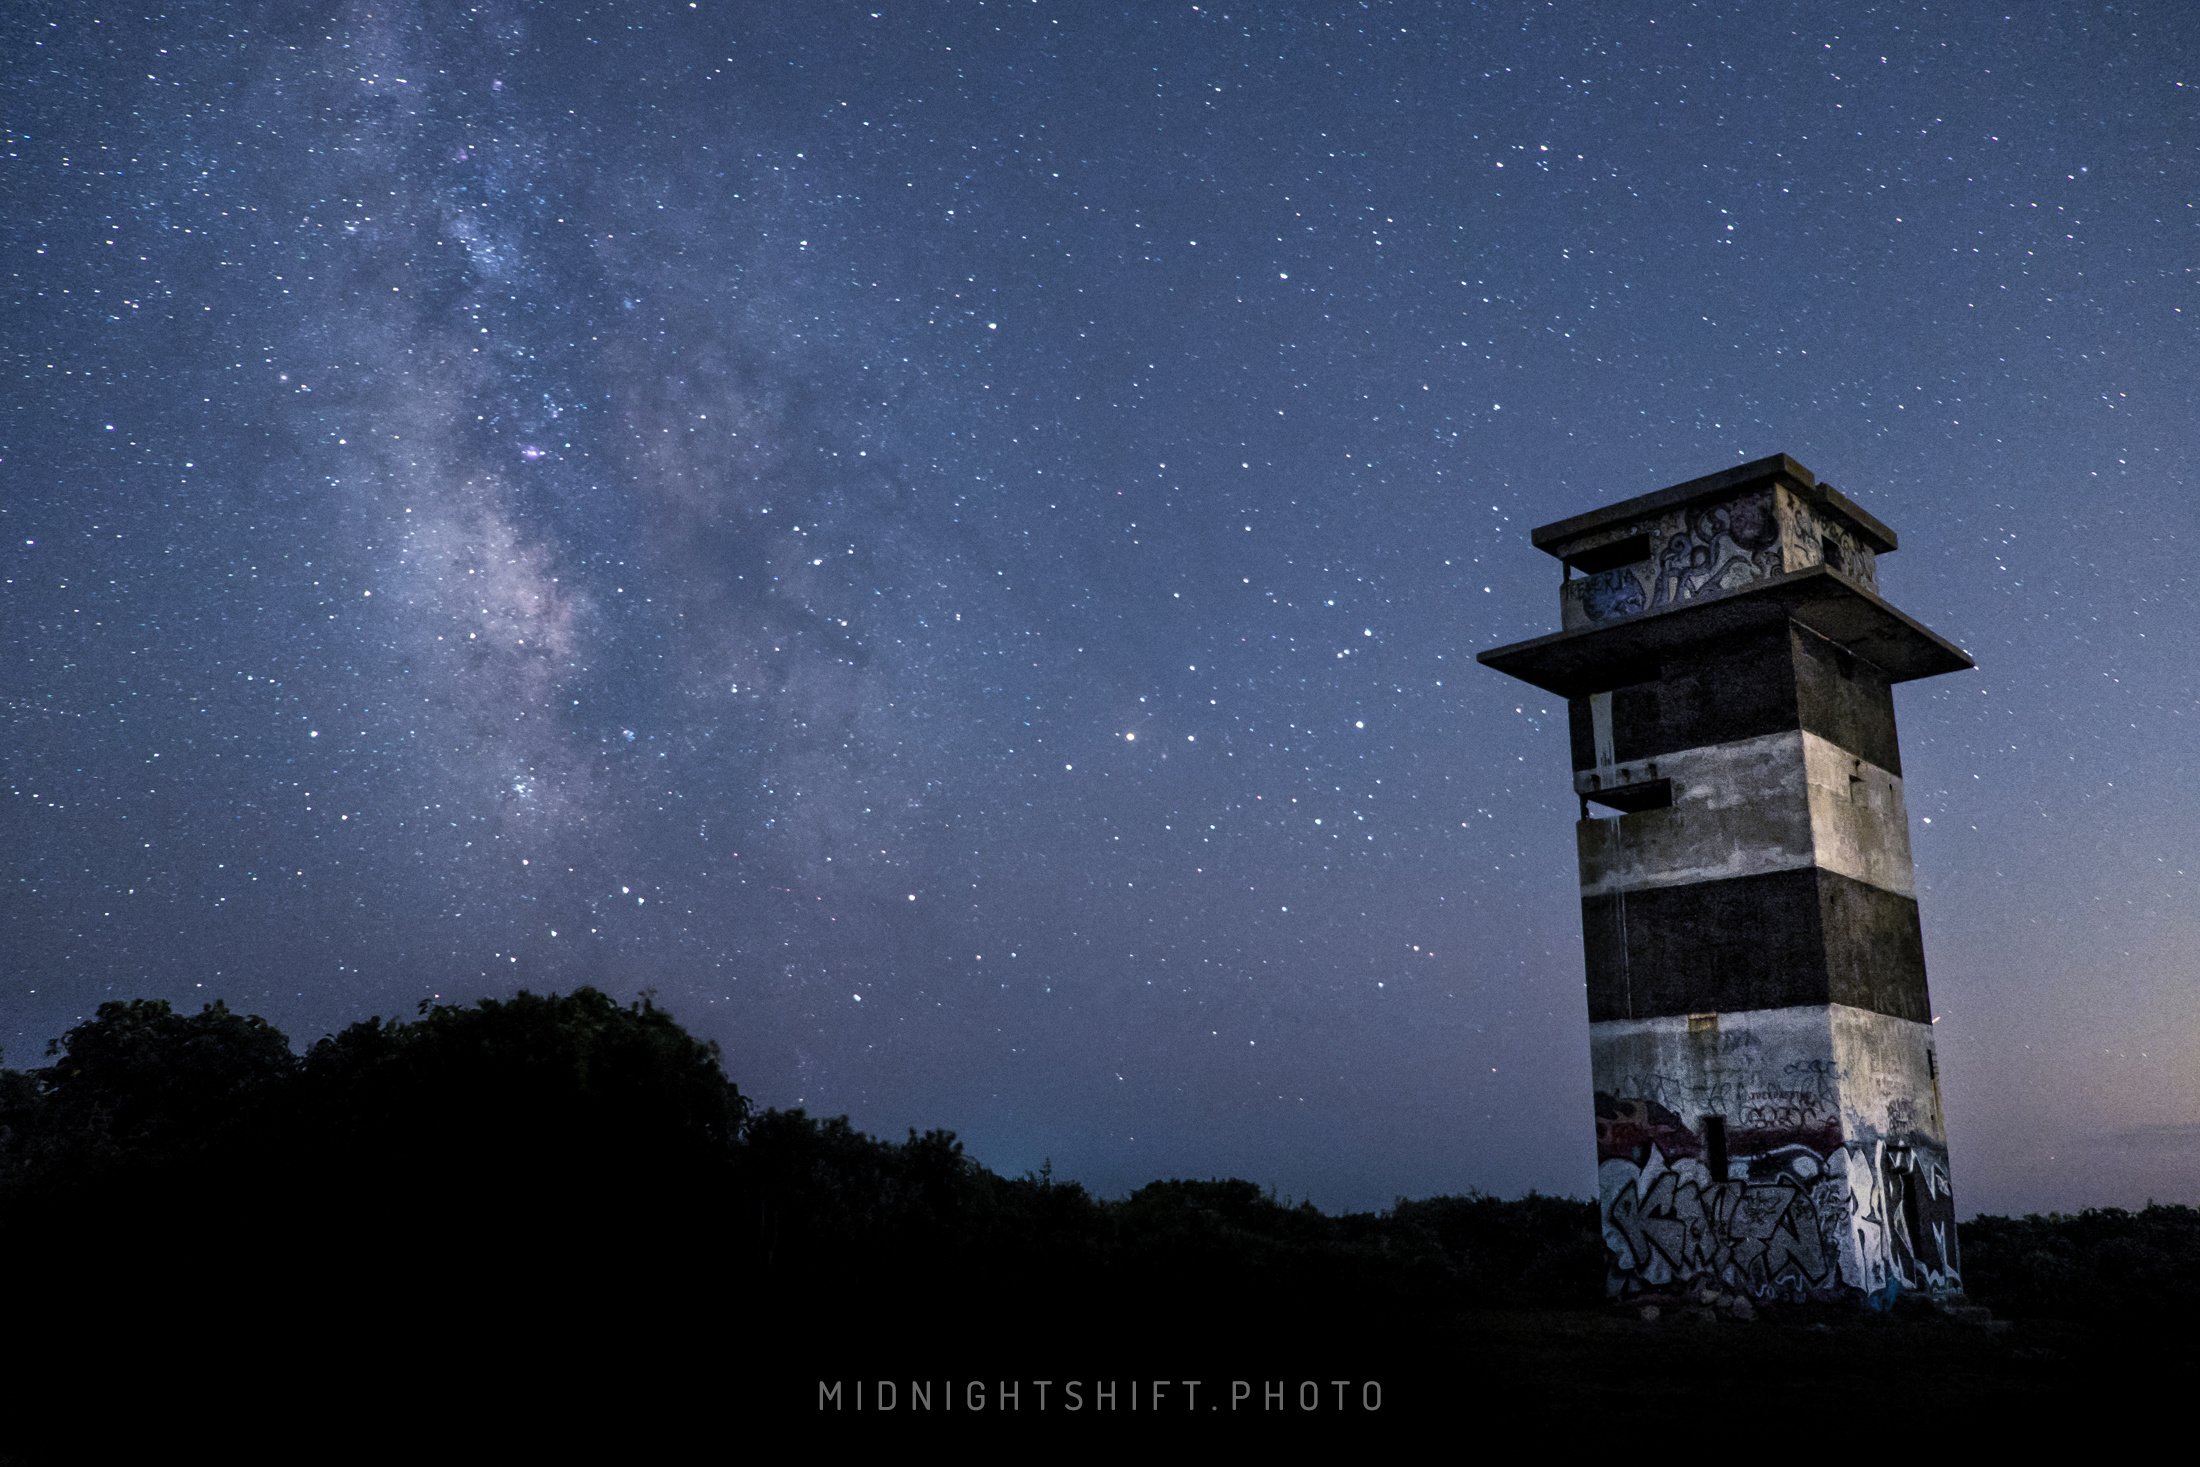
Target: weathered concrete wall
[(1774, 803), (1835, 1177), (1780, 874), (1738, 810), (1859, 824), (1880, 1060)]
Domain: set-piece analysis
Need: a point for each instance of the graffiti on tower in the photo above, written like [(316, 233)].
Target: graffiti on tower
[(1788, 1221), (1707, 550)]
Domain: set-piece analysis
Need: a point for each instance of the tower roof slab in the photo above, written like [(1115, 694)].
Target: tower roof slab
[(1562, 537)]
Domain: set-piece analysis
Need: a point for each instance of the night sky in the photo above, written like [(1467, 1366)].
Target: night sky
[(948, 540)]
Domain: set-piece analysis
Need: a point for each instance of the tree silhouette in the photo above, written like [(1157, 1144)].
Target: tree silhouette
[(139, 1079)]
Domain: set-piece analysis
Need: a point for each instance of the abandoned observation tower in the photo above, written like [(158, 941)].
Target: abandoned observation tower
[(1768, 1112)]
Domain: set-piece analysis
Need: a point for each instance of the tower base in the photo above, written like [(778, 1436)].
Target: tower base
[(1780, 1153)]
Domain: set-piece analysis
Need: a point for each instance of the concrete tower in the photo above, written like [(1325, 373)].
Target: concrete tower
[(1767, 1093)]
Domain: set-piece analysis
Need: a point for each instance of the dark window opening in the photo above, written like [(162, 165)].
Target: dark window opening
[(1612, 556), (1714, 1144), (1627, 799)]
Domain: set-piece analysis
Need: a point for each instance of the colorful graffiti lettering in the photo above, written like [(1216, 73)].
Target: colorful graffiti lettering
[(1665, 1223), (1793, 1218)]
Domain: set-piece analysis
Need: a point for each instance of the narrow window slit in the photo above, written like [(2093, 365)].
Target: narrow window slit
[(1714, 1145)]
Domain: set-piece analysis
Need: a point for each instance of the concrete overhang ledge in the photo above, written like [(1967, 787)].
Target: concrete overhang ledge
[(1819, 599)]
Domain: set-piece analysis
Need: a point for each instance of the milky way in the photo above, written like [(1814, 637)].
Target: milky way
[(947, 543)]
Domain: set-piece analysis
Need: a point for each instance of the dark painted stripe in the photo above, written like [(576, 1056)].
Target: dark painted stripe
[(1875, 949), (1725, 691), (1754, 942), (1845, 701)]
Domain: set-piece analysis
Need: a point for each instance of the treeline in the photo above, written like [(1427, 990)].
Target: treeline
[(528, 1128), (2104, 1264), (542, 1139)]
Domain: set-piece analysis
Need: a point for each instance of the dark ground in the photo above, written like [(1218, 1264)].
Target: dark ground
[(645, 1369)]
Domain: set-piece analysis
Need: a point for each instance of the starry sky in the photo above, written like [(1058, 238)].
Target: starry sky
[(948, 541)]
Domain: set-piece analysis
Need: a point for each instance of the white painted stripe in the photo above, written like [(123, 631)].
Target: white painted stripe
[(1780, 802)]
